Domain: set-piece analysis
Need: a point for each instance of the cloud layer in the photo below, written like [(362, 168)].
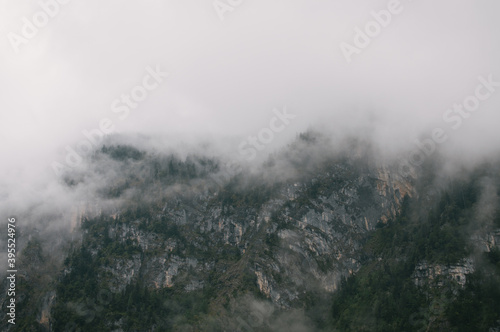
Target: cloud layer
[(227, 76)]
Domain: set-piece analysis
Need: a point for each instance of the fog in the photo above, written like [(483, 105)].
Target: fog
[(216, 75)]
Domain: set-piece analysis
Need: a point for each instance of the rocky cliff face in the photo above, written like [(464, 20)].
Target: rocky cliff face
[(286, 239), (293, 240), (435, 274), (160, 231)]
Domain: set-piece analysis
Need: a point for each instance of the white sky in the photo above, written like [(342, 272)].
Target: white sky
[(227, 76)]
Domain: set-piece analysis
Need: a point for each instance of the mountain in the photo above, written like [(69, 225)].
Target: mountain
[(316, 238)]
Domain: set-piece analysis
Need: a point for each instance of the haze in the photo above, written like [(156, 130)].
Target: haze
[(227, 76)]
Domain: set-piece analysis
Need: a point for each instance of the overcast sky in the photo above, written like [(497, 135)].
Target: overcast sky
[(226, 76)]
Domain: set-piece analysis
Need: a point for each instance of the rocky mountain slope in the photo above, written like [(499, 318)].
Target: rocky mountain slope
[(168, 243)]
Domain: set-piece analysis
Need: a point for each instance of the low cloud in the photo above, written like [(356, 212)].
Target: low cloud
[(225, 78)]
